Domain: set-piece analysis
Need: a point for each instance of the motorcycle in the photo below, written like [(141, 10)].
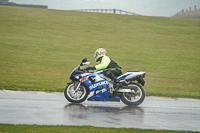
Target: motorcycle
[(102, 88)]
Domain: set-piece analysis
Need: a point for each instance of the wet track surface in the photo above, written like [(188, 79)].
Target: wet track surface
[(17, 107)]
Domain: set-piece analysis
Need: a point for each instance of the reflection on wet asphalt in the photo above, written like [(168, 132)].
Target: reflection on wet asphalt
[(104, 116), (42, 108)]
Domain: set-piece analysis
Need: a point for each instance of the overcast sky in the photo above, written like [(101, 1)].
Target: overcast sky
[(165, 8)]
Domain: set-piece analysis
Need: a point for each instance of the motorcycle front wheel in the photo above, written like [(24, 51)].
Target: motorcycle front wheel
[(135, 97), (75, 96)]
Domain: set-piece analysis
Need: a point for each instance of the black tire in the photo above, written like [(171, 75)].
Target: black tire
[(138, 92), (75, 97)]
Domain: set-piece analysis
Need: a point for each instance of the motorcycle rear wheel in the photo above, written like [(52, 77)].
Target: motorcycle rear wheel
[(134, 98), (75, 96)]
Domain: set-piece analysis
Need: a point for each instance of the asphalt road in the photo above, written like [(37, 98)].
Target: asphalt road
[(17, 107)]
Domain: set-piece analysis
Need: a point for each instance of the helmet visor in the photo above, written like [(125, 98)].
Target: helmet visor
[(96, 56)]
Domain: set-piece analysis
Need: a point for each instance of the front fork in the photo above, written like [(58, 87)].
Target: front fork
[(76, 85)]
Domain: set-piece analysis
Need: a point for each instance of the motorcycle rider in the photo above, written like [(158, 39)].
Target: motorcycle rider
[(110, 68)]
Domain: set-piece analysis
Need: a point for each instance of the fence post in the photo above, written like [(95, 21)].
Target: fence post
[(114, 11)]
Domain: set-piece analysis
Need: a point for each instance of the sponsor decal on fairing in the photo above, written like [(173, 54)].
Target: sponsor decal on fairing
[(97, 84)]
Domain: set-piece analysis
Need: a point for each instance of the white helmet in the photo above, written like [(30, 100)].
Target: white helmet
[(100, 52)]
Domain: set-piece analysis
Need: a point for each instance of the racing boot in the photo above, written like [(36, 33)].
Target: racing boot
[(117, 84)]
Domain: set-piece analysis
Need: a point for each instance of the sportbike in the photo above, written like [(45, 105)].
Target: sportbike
[(94, 86)]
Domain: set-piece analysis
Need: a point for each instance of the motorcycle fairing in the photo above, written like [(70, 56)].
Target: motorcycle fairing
[(129, 75), (124, 76), (99, 95), (103, 95), (98, 81)]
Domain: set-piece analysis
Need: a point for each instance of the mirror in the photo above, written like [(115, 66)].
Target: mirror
[(84, 60)]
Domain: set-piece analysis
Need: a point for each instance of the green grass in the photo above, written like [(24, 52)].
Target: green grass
[(6, 128), (40, 48)]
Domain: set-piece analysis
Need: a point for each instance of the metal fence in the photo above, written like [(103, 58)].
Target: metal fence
[(110, 11)]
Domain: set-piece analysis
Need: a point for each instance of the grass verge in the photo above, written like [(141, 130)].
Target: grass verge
[(6, 128)]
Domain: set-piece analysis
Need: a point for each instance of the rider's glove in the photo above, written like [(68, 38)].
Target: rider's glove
[(90, 68)]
